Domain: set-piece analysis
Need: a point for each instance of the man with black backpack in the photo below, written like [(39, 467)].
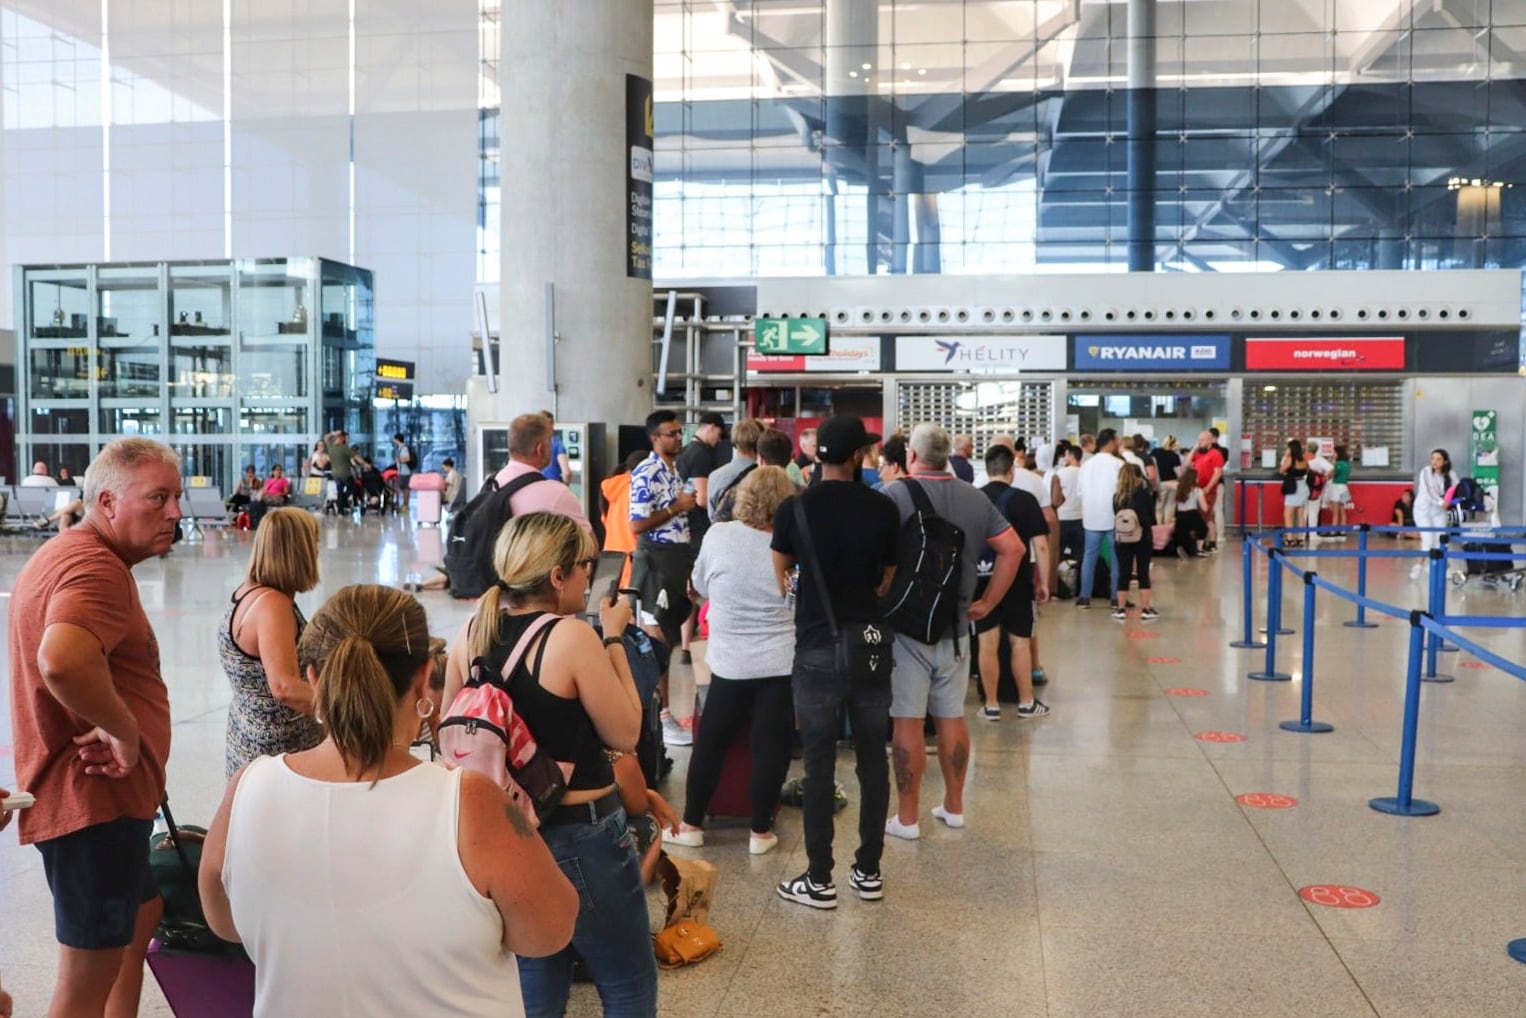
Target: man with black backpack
[(517, 489), (946, 525)]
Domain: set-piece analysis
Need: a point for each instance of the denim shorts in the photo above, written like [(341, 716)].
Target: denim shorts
[(99, 877), (929, 680)]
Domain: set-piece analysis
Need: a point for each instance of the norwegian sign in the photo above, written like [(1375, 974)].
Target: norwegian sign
[(985, 355), (1164, 352), (802, 337), (853, 353), (1385, 353), (638, 177)]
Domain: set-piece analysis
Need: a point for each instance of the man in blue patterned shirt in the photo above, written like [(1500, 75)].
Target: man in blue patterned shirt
[(664, 557)]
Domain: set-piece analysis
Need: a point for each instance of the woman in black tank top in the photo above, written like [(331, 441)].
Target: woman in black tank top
[(575, 692)]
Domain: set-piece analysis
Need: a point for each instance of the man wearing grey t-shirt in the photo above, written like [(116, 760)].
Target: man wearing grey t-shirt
[(933, 679)]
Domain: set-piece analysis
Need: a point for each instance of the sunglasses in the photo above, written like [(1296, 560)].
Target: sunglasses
[(670, 434)]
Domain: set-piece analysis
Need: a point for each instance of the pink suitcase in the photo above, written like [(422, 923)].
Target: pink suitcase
[(198, 985)]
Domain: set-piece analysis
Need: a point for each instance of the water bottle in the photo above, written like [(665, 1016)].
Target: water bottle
[(794, 586)]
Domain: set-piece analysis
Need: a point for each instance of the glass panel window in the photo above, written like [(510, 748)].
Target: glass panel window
[(53, 421), (202, 420), (131, 372), (60, 374), (60, 305), (201, 372), (206, 460), (273, 372), (273, 420), (201, 302), (130, 303), (131, 421)]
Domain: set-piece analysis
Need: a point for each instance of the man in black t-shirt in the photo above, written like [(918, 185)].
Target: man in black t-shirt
[(1014, 615), (699, 459), (854, 533)]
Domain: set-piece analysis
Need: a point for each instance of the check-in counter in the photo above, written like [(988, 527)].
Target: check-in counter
[(1258, 500)]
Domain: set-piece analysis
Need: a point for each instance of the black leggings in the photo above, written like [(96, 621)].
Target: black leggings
[(769, 705), (1190, 529), (1133, 560)]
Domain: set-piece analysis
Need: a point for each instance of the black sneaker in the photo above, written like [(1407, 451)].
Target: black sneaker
[(804, 891), (869, 886), (1149, 615), (1120, 614), (1036, 709), (1083, 602)]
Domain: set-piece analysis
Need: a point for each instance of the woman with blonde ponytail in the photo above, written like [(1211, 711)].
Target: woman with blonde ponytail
[(577, 696), (356, 852)]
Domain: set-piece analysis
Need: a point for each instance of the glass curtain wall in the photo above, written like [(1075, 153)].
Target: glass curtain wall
[(218, 359), (991, 136)]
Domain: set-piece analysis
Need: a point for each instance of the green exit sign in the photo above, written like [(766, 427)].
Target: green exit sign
[(798, 336)]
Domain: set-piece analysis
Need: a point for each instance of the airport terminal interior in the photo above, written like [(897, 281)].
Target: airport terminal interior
[(239, 229)]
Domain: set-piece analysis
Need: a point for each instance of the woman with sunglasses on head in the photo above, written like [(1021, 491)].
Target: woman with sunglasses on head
[(355, 854), (576, 695)]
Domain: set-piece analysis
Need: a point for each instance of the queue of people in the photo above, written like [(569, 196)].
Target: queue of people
[(818, 611)]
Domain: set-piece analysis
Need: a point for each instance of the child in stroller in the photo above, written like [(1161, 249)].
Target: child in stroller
[(375, 496)]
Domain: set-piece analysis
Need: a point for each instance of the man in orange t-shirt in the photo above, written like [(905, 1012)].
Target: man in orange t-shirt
[(91, 719)]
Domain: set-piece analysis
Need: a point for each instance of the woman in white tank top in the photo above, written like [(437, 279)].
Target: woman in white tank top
[(362, 881)]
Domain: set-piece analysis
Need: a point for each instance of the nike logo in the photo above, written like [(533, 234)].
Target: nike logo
[(460, 755)]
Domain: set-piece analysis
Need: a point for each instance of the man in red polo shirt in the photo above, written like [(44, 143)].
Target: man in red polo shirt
[(1208, 461)]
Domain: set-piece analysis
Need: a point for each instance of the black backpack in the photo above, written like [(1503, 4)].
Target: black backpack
[(474, 530), (923, 602)]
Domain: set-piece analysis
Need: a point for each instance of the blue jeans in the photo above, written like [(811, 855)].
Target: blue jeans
[(821, 692), (613, 935), (1094, 539)]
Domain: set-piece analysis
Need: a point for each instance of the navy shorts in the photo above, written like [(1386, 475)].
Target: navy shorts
[(99, 877), (1014, 613)]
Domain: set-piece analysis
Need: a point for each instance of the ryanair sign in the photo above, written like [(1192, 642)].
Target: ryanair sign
[(1152, 352)]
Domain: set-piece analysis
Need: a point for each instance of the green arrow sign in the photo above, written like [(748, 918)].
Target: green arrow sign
[(798, 336)]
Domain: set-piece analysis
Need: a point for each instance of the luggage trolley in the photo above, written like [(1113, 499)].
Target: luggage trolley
[(1473, 512)]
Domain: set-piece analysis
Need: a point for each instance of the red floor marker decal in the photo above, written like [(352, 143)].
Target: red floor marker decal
[(1479, 665), (1219, 737), (1266, 800), (1143, 634), (1163, 660), (1186, 691), (1336, 896)]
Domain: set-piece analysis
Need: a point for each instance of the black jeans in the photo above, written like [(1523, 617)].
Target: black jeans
[(1133, 563), (820, 694), (768, 706)]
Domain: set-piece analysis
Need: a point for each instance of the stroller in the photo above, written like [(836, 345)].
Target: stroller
[(1471, 509), (375, 495)]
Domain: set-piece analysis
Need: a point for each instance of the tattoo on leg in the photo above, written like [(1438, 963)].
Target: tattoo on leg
[(517, 820), (902, 760), (961, 758)]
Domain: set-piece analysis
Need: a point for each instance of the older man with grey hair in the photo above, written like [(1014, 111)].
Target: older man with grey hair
[(963, 450), (932, 679), (91, 717)]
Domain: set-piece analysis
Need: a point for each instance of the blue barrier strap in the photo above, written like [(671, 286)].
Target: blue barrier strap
[(1484, 556), (1509, 668), (1483, 621), (1367, 602)]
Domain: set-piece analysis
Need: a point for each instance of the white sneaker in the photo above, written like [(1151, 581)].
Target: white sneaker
[(1414, 571), (952, 819), (906, 832), (762, 844), (674, 733), (693, 837)]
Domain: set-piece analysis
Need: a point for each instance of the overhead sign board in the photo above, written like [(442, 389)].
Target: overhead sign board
[(1383, 353), (394, 390), (1152, 352), (986, 355), (852, 353), (395, 371), (800, 337)]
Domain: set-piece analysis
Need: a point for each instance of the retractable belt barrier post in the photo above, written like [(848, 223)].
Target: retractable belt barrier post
[(1436, 608), (1306, 722), (1248, 595), (1440, 638), (1274, 590), (1404, 803), (1360, 622), (1273, 620)]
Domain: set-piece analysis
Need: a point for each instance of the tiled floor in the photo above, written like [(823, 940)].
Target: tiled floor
[(1106, 868)]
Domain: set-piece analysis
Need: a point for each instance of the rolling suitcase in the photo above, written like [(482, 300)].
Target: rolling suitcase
[(733, 793), (201, 985)]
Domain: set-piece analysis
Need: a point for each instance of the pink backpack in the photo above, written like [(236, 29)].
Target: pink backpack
[(482, 732)]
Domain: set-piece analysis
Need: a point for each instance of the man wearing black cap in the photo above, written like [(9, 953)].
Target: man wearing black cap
[(853, 532), (700, 458)]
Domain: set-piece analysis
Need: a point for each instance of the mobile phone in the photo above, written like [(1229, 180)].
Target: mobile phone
[(18, 800)]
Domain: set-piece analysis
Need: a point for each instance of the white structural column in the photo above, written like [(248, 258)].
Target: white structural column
[(565, 202)]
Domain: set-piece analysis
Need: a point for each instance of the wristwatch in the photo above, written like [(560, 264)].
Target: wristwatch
[(614, 641)]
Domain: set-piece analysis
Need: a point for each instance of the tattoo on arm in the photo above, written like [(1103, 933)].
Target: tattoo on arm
[(517, 819)]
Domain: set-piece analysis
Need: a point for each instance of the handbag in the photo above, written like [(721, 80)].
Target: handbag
[(684, 943), (173, 860), (862, 650)]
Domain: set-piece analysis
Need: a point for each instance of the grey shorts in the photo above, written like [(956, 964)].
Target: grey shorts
[(929, 680)]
